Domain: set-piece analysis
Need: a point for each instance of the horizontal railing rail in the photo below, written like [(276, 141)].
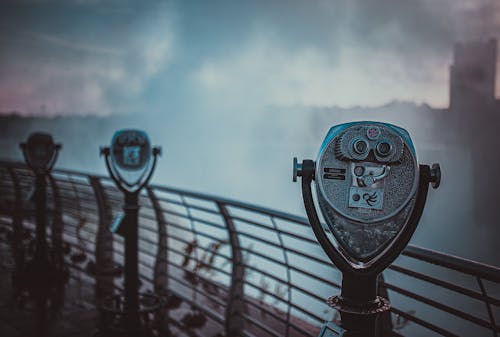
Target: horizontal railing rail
[(246, 270)]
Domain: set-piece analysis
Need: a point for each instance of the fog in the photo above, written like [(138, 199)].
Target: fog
[(232, 91)]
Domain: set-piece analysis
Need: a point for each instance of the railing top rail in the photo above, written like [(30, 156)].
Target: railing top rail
[(22, 165), (234, 203), (483, 270)]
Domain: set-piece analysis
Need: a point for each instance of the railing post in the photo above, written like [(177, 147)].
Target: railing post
[(104, 242), (288, 276), (17, 219), (160, 277), (41, 254), (491, 316), (161, 264), (57, 223), (235, 308)]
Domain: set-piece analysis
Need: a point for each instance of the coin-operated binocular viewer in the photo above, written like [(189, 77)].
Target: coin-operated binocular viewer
[(40, 153), (371, 192), (44, 272), (130, 161)]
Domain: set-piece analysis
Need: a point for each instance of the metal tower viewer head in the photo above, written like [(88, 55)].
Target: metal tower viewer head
[(129, 159), (40, 151), (367, 183)]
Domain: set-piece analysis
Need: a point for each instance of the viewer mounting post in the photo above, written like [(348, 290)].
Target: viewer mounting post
[(43, 273), (371, 192), (40, 153), (129, 163)]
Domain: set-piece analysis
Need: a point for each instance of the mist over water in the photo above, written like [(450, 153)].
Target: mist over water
[(251, 160)]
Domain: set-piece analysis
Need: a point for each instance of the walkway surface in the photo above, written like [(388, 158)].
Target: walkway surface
[(19, 316), (76, 314)]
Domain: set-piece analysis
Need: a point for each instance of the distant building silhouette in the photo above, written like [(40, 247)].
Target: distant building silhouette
[(475, 113), (472, 75)]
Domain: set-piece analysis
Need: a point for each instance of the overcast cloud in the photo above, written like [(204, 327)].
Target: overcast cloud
[(105, 57)]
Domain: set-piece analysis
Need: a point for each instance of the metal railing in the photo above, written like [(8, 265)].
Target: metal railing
[(235, 269)]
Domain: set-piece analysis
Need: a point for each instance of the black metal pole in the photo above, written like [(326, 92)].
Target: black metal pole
[(131, 209), (41, 256), (41, 315), (359, 297)]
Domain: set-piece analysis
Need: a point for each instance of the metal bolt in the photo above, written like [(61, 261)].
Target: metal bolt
[(297, 169), (104, 151), (157, 151), (435, 178)]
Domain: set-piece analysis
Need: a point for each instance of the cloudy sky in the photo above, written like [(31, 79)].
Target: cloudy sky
[(111, 57)]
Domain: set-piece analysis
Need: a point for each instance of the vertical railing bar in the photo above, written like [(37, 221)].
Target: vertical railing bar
[(103, 252), (17, 217), (160, 277), (234, 311), (75, 192), (57, 221), (195, 248), (162, 236), (81, 219), (81, 242), (488, 306), (288, 275)]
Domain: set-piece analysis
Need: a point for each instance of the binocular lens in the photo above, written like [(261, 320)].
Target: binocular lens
[(384, 148), (360, 146)]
